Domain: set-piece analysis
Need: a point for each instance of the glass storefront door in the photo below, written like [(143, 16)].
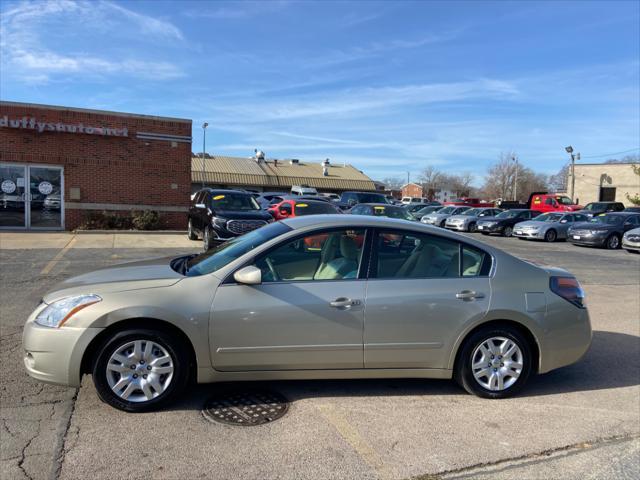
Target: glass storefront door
[(31, 196), (13, 212)]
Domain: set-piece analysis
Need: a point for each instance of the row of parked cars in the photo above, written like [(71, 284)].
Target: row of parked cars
[(218, 215)]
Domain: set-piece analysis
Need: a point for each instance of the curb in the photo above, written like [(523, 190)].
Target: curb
[(131, 232)]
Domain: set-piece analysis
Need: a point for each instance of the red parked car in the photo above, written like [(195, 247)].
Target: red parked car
[(297, 208)]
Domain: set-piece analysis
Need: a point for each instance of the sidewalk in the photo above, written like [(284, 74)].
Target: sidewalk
[(57, 240)]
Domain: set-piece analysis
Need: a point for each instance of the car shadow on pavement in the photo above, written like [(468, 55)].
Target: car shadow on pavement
[(613, 361)]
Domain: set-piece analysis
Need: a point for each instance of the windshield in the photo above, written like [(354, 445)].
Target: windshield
[(371, 198), (607, 218), (508, 214), (460, 210), (227, 252), (234, 201), (447, 210), (472, 211), (427, 210), (392, 211), (548, 217), (309, 208), (594, 206), (562, 200)]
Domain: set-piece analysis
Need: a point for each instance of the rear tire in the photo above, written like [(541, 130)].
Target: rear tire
[(507, 231), (612, 242), (191, 234), (165, 367), (502, 378), (550, 236), (472, 227)]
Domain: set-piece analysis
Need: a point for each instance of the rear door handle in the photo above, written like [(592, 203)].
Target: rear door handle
[(469, 295), (343, 302)]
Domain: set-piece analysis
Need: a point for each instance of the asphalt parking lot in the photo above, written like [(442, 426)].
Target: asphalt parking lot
[(582, 421)]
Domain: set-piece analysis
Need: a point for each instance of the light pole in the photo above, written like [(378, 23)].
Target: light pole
[(515, 183), (575, 157), (204, 147)]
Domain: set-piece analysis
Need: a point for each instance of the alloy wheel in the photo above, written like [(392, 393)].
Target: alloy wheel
[(139, 371), (507, 231), (613, 242), (497, 363), (550, 236)]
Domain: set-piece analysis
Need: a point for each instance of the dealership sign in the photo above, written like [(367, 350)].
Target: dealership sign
[(30, 123)]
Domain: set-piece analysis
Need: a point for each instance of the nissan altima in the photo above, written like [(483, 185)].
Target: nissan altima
[(328, 296)]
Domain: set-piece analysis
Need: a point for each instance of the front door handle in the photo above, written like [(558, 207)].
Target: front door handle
[(343, 302), (468, 295)]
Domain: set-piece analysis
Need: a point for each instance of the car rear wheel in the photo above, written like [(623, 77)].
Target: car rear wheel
[(550, 236), (494, 362), (138, 370), (191, 234), (507, 231), (613, 242), (472, 227)]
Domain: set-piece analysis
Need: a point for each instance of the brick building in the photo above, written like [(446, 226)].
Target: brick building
[(57, 164), (412, 190), (597, 182)]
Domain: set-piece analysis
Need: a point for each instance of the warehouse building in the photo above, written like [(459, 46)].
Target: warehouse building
[(603, 182), (59, 165), (260, 174)]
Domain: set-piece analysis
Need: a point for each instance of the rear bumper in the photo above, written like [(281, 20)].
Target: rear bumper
[(569, 336)]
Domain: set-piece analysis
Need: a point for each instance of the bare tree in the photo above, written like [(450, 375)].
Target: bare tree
[(393, 183), (500, 178), (430, 178), (558, 182)]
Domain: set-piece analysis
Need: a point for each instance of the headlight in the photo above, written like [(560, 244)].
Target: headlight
[(219, 221), (598, 232), (55, 314)]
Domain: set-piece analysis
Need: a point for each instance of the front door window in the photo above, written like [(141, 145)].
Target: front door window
[(45, 184)]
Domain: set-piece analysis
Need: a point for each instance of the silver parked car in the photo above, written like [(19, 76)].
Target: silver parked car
[(439, 217), (549, 226), (631, 240), (467, 220), (331, 296)]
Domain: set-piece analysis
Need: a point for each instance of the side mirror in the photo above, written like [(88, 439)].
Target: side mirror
[(249, 275), (351, 202), (200, 205), (563, 221)]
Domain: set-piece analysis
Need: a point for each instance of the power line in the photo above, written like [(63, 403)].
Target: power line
[(610, 154)]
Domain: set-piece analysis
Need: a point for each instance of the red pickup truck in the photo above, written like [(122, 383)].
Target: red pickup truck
[(469, 202), (544, 202)]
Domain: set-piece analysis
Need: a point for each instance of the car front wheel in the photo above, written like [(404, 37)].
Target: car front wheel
[(207, 239), (507, 231), (494, 362), (139, 370), (550, 236), (613, 242), (191, 234), (472, 227)]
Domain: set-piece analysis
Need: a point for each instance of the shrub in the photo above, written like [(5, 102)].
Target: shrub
[(146, 220), (142, 220)]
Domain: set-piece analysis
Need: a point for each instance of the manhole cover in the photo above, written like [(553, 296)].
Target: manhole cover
[(246, 408)]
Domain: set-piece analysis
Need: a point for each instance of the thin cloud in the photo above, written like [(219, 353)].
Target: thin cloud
[(238, 10)]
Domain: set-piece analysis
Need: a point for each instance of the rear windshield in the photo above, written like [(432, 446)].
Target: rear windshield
[(233, 201), (308, 208), (391, 211), (447, 210), (227, 252)]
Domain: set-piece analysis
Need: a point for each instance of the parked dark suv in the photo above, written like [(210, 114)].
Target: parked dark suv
[(594, 209), (220, 215)]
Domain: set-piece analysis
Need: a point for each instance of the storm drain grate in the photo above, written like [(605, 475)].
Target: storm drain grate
[(248, 408)]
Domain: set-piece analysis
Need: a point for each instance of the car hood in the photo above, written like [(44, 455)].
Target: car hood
[(490, 219), (243, 215), (460, 217), (152, 273), (529, 223), (592, 226)]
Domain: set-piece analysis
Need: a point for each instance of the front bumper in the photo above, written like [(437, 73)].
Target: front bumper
[(629, 245), (528, 234), (587, 240), (490, 229), (459, 227), (54, 355)]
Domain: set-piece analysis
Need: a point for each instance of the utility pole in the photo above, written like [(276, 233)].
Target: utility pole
[(408, 177), (204, 147), (515, 183), (575, 157)]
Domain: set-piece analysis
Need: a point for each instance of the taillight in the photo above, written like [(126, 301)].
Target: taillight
[(568, 288)]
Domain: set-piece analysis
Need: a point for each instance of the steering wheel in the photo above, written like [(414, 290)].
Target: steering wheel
[(274, 274)]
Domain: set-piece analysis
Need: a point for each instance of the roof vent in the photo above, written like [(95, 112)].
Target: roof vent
[(259, 155), (294, 161), (325, 167)]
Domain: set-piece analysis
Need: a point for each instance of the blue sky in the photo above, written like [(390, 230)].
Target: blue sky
[(387, 86)]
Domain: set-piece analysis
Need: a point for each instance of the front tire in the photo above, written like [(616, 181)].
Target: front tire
[(191, 234), (207, 239), (550, 236), (494, 362), (139, 370), (507, 231), (472, 227), (612, 242)]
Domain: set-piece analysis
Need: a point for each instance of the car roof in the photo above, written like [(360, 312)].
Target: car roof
[(622, 214), (226, 190), (379, 205)]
